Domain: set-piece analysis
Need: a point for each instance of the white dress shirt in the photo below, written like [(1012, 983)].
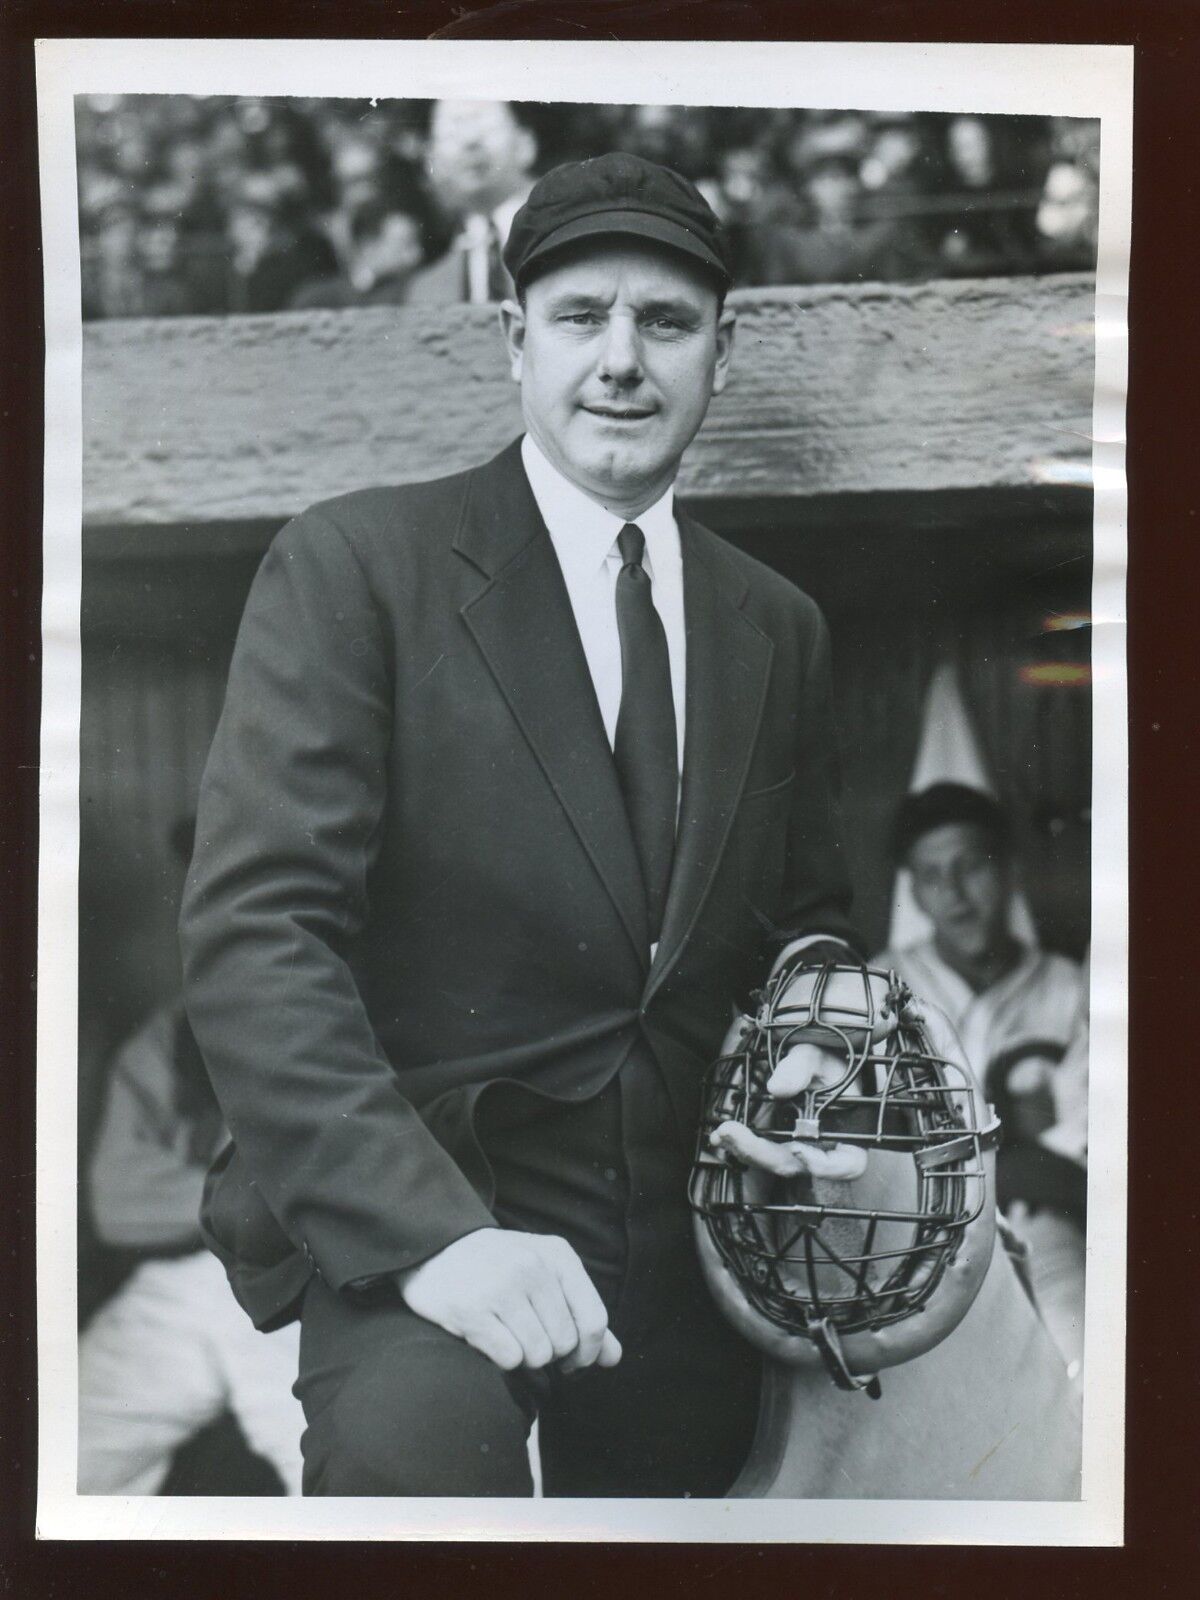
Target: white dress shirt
[(584, 536), (480, 233)]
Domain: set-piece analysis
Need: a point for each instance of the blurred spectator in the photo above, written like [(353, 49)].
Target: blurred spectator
[(264, 193), (358, 184), (674, 136), (739, 198), (109, 264), (996, 169), (1068, 209), (274, 249), (908, 181), (481, 161), (1066, 216), (892, 159), (970, 149), (820, 231), (385, 248), (172, 1350), (163, 288)]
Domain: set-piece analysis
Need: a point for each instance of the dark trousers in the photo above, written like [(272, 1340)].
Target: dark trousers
[(396, 1406)]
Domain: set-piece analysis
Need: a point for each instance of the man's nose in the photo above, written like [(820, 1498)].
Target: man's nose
[(621, 352)]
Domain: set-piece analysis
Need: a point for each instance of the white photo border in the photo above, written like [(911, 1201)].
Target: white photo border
[(1060, 80)]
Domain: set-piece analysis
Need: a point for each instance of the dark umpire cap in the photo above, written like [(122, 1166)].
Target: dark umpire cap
[(940, 805), (615, 195)]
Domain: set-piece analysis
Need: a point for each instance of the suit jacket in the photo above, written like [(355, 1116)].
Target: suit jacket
[(414, 878), (443, 281)]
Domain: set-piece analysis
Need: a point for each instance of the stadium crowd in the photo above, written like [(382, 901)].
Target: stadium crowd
[(203, 206)]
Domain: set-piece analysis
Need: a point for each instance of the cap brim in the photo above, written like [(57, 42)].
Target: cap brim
[(628, 224)]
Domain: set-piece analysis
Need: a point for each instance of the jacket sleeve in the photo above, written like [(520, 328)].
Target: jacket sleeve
[(290, 807), (817, 889)]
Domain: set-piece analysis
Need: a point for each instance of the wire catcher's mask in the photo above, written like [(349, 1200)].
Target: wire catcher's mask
[(862, 1273)]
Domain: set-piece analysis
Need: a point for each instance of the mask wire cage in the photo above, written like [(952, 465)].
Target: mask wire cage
[(807, 1254)]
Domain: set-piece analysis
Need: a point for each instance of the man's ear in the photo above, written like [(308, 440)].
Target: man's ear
[(726, 328), (512, 326)]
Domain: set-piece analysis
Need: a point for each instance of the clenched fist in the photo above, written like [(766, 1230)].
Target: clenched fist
[(521, 1299)]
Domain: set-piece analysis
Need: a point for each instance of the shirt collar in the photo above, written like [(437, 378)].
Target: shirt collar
[(504, 213), (584, 533)]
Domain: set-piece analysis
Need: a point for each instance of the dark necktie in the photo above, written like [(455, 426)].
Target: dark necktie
[(645, 744), (499, 287)]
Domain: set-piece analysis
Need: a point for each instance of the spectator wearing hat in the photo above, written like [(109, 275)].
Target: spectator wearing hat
[(109, 257), (996, 177), (1017, 1011), (523, 780), (480, 160), (820, 233)]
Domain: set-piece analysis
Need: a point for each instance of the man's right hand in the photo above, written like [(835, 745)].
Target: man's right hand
[(521, 1299)]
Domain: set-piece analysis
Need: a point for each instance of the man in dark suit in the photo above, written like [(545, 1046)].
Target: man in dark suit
[(523, 779)]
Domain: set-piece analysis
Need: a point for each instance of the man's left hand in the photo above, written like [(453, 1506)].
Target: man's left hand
[(804, 1065)]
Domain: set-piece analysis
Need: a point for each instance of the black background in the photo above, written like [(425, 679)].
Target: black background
[(1162, 1553)]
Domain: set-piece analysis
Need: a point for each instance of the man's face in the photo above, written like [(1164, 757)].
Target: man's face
[(618, 352), (479, 154), (962, 885)]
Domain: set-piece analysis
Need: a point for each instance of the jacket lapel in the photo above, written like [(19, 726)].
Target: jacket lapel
[(728, 667), (522, 622)]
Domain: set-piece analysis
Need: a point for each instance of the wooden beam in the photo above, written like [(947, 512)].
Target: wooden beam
[(838, 390)]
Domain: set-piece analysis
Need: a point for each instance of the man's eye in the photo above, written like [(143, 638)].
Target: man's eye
[(580, 318)]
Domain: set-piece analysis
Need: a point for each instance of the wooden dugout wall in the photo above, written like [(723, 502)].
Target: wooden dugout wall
[(917, 457), (842, 390)]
